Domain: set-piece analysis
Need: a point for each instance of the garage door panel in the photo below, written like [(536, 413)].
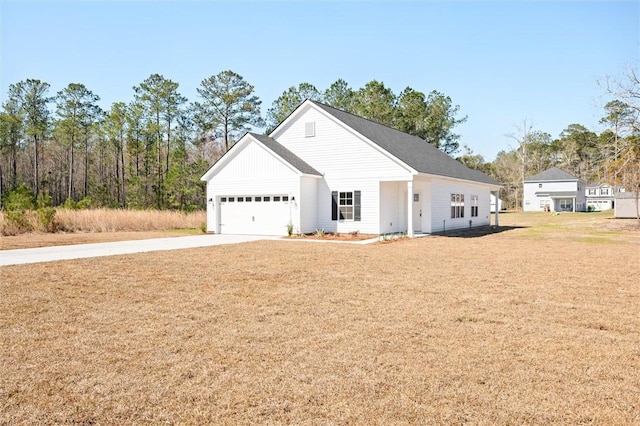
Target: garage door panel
[(259, 215)]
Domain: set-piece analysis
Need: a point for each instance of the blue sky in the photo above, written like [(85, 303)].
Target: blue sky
[(501, 61)]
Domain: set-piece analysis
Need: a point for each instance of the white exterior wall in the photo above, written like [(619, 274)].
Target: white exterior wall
[(393, 207), (253, 171), (336, 151), (307, 203), (532, 201), (370, 219), (347, 162), (441, 205), (493, 204), (600, 204), (424, 188)]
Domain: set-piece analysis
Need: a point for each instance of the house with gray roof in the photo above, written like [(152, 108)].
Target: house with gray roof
[(601, 196), (554, 190), (323, 168)]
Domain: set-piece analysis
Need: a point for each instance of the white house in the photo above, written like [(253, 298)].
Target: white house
[(554, 190), (493, 204), (323, 168), (601, 196)]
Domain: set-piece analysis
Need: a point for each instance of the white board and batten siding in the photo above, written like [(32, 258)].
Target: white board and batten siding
[(254, 172)]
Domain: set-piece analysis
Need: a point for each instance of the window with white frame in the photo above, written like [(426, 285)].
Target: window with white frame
[(474, 206), (591, 191), (566, 204), (345, 202), (346, 205), (604, 191), (457, 206)]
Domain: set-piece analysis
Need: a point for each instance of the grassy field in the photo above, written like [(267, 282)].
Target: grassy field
[(537, 324)]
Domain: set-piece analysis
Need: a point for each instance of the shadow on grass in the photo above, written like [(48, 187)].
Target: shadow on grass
[(479, 231)]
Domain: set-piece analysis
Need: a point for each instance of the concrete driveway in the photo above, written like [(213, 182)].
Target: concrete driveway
[(79, 251)]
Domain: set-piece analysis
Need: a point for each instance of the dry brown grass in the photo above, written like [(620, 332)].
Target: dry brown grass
[(110, 220), (515, 327), (38, 239)]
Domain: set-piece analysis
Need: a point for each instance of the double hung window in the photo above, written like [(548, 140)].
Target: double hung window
[(457, 206)]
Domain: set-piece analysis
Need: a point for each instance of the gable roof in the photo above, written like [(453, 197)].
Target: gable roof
[(411, 150), (288, 156), (271, 144), (553, 173)]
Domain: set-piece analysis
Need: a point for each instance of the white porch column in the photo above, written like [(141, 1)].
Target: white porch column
[(410, 208), (497, 209), (574, 204)]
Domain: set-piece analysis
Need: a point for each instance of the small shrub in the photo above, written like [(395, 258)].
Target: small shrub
[(203, 227), (319, 233), (290, 229), (85, 203), (18, 204), (46, 217), (69, 204)]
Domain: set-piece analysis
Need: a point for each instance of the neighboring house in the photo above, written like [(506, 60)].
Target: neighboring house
[(493, 204), (554, 190), (626, 205), (601, 196), (323, 168)]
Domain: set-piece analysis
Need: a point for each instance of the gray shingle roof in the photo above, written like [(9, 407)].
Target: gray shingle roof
[(411, 150), (626, 195), (286, 155), (553, 173)]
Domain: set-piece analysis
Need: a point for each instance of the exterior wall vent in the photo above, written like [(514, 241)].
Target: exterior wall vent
[(309, 129)]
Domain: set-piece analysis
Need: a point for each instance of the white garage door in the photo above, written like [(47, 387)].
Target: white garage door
[(254, 214)]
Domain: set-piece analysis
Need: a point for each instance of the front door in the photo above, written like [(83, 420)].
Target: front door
[(417, 212)]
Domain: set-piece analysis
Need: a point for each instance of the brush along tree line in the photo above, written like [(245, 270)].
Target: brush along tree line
[(151, 151)]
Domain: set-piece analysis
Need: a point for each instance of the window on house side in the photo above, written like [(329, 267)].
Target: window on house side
[(276, 198), (474, 206), (457, 206)]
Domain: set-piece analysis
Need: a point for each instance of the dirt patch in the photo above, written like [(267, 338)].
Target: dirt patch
[(505, 328)]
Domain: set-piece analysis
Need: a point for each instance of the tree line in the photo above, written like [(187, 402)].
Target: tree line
[(151, 151), (612, 156)]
